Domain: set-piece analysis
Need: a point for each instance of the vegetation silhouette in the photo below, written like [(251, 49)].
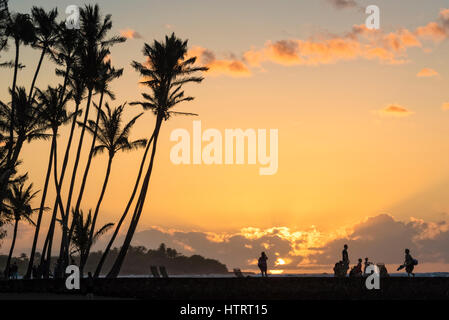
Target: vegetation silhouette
[(81, 59)]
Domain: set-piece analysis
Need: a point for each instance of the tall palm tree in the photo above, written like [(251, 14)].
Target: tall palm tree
[(82, 230), (78, 89), (21, 30), (112, 138), (94, 48), (53, 114), (166, 72), (4, 19), (46, 36), (19, 206), (106, 75)]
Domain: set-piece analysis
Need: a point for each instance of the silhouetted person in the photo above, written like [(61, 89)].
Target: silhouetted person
[(366, 264), (89, 286), (262, 263), (356, 271), (409, 263), (345, 257), (34, 272)]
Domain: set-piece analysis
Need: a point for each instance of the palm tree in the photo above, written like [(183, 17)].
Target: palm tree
[(166, 72), (53, 114), (46, 35), (4, 19), (112, 138), (78, 89), (106, 75), (21, 29), (94, 48), (19, 206), (81, 235)]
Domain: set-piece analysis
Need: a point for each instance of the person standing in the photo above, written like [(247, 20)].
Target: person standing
[(262, 264), (345, 258)]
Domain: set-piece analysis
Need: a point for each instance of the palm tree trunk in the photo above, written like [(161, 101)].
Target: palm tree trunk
[(13, 243), (51, 231), (64, 248), (46, 251), (117, 229), (13, 88), (41, 210), (33, 83), (85, 255), (86, 170), (91, 154), (139, 207)]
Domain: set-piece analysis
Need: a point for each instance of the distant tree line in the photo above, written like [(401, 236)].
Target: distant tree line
[(139, 260)]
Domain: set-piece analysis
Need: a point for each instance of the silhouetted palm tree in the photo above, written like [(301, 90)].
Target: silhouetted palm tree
[(46, 35), (112, 138), (166, 71), (19, 206), (81, 234), (53, 114), (21, 30), (78, 89), (106, 75), (91, 55)]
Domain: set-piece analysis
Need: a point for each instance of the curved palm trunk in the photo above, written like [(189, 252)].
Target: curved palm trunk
[(91, 154), (41, 210), (115, 270), (46, 251), (64, 248), (117, 229), (49, 239), (33, 83), (85, 255), (13, 243), (86, 171), (13, 88)]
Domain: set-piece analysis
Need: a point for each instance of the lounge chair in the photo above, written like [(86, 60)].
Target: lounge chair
[(154, 272), (163, 272), (238, 273)]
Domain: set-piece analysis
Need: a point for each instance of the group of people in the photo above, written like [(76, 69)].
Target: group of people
[(341, 268)]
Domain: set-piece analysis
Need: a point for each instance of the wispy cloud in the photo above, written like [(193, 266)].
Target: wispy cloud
[(130, 34), (395, 110), (426, 73), (231, 66)]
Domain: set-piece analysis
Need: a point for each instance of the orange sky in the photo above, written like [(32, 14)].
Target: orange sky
[(362, 130)]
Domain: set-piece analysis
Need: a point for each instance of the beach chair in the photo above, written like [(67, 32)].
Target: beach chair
[(238, 273), (163, 272), (154, 272)]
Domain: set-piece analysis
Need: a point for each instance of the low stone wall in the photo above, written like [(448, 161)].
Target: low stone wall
[(313, 288)]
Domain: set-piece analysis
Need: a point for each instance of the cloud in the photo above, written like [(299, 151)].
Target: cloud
[(445, 106), (383, 239), (232, 66), (427, 72), (436, 31), (130, 34), (359, 43), (395, 110), (343, 4)]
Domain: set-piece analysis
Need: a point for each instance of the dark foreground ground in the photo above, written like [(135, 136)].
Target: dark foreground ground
[(396, 288)]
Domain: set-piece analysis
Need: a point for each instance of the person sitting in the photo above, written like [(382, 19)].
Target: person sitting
[(356, 271)]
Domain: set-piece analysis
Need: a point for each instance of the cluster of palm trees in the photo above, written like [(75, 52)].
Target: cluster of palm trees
[(81, 59)]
